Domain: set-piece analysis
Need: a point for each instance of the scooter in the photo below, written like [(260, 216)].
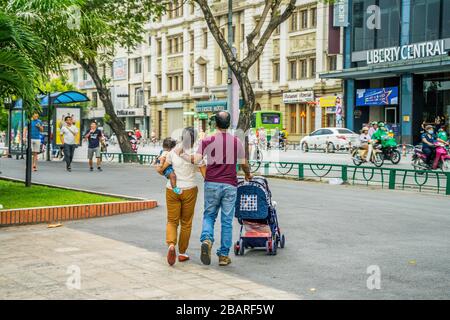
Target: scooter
[(376, 158), (441, 159), (389, 149)]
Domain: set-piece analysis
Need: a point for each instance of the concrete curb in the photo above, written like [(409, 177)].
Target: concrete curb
[(52, 214), (76, 189)]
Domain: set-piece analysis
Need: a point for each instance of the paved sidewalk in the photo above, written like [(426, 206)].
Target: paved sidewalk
[(36, 263)]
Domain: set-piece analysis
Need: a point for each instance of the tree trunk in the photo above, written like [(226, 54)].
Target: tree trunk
[(248, 96), (104, 93)]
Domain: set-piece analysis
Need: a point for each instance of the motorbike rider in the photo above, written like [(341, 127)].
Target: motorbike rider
[(376, 137), (364, 140), (442, 136), (428, 140), (373, 128)]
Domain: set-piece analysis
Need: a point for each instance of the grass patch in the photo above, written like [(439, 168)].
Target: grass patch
[(15, 195)]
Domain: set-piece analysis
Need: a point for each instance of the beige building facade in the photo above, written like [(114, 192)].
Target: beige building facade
[(160, 86)]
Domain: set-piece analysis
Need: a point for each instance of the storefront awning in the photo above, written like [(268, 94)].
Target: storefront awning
[(429, 65), (214, 105)]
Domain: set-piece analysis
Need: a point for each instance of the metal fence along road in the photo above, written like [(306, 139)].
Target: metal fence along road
[(389, 178)]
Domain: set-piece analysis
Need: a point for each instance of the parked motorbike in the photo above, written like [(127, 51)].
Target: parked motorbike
[(441, 159), (389, 149), (377, 157)]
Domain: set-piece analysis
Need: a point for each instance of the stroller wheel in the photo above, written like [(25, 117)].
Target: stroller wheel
[(241, 247), (282, 241), (236, 248)]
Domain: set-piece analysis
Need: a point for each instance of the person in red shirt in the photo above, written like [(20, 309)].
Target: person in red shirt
[(223, 151), (137, 133)]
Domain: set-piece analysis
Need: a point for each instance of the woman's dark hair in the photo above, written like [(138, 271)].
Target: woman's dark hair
[(223, 120), (169, 143), (67, 117), (189, 137)]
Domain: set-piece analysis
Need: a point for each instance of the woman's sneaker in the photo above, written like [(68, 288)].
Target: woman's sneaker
[(182, 257), (171, 255), (205, 255), (224, 261)]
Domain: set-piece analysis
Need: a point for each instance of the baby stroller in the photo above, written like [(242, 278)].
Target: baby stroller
[(257, 216)]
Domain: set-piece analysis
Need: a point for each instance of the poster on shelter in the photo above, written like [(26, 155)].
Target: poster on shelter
[(61, 113)]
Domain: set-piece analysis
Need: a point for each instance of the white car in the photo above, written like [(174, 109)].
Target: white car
[(330, 140)]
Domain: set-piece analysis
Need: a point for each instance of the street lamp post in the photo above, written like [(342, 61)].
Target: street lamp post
[(230, 44)]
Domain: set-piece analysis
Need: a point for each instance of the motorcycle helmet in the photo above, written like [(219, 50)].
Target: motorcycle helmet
[(381, 124)]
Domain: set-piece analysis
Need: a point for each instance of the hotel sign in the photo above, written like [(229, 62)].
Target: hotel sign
[(406, 52), (298, 97)]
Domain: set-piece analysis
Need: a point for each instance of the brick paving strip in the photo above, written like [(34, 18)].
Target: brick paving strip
[(37, 263), (51, 214)]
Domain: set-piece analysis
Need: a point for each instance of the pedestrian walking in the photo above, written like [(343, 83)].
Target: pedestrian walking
[(68, 134), (223, 151), (180, 206), (36, 129), (94, 136)]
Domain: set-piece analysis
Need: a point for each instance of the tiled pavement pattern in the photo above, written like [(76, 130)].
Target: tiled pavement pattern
[(34, 264)]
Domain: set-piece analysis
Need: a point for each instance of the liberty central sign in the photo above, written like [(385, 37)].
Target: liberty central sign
[(406, 52)]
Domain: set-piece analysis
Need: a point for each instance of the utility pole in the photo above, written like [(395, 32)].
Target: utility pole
[(230, 44)]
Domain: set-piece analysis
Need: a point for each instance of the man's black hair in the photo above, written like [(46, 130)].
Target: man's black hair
[(223, 120), (169, 143), (67, 117)]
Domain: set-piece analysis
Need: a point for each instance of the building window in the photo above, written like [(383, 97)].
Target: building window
[(175, 9), (205, 38), (367, 37), (158, 47), (175, 44), (74, 75), (312, 68), (137, 65), (276, 72), (175, 82), (332, 63), (139, 97), (304, 18), (85, 75), (293, 25), (430, 20), (234, 34), (191, 74), (313, 17), (293, 70), (204, 74), (95, 99), (276, 107), (149, 63), (303, 69), (158, 84), (242, 32), (191, 40)]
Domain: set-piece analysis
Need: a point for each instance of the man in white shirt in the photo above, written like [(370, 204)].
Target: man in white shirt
[(68, 134)]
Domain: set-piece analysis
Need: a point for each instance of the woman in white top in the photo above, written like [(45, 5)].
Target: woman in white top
[(180, 207)]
